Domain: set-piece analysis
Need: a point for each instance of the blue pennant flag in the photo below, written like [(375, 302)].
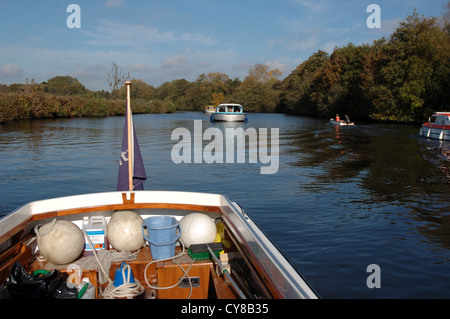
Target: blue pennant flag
[(139, 175)]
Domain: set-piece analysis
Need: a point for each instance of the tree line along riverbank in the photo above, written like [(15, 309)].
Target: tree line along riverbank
[(402, 78)]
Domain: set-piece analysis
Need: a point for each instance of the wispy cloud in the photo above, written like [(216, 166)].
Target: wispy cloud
[(316, 6), (113, 3), (89, 71), (175, 61), (11, 70), (142, 67), (120, 34), (303, 43), (304, 40)]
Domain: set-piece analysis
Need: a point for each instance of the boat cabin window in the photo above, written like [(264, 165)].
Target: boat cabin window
[(438, 120), (229, 108)]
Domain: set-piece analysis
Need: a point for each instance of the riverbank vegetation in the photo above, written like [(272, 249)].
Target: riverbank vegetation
[(403, 78)]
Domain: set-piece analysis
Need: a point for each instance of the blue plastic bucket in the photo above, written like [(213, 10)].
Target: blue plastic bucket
[(163, 233)]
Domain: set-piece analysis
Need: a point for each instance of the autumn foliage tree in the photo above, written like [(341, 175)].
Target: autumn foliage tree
[(258, 91), (217, 98)]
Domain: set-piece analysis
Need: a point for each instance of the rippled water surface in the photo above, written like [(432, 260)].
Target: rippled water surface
[(341, 200)]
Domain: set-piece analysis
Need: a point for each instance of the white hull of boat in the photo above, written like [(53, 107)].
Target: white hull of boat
[(341, 123), (436, 133), (228, 117), (275, 268), (438, 126)]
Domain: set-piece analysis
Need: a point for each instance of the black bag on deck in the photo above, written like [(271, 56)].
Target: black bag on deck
[(22, 285)]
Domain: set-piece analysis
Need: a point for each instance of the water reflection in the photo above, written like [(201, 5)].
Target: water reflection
[(386, 166)]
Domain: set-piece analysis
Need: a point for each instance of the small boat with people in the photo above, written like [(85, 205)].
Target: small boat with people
[(138, 244), (338, 121), (437, 127), (229, 112)]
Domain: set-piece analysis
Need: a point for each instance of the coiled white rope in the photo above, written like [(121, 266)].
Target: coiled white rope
[(127, 289), (173, 259)]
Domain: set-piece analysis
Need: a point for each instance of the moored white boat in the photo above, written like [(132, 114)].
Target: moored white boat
[(437, 127), (209, 109), (229, 112)]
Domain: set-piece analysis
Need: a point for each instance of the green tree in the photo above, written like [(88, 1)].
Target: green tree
[(63, 85), (296, 88), (413, 71), (138, 90)]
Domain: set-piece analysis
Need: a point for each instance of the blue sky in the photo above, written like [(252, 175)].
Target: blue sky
[(159, 41)]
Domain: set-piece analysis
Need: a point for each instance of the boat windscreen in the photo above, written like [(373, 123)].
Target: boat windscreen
[(438, 120)]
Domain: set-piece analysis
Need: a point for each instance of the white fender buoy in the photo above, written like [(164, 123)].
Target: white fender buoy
[(197, 228), (124, 231), (60, 241)]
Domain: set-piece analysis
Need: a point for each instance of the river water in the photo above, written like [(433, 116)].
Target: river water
[(341, 199)]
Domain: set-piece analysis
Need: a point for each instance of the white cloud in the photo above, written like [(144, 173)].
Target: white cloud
[(11, 70), (198, 37), (89, 71), (316, 6), (113, 3), (141, 67), (303, 43), (120, 34), (270, 43), (174, 61), (141, 35)]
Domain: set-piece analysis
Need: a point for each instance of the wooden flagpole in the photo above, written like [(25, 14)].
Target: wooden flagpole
[(130, 148)]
